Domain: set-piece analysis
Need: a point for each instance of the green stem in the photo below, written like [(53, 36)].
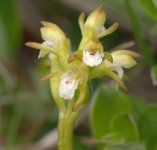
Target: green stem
[(61, 121), (65, 128), (68, 133), (67, 119)]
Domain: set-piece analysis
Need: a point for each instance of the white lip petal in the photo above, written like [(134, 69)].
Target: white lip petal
[(67, 86), (92, 58)]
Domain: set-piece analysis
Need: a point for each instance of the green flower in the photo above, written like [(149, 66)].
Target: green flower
[(69, 71)]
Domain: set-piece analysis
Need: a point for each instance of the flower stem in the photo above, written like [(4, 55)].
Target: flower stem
[(65, 128), (61, 142)]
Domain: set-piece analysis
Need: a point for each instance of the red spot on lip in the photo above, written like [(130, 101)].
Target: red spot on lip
[(92, 52), (67, 82)]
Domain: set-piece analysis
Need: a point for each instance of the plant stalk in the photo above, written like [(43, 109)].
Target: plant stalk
[(65, 129)]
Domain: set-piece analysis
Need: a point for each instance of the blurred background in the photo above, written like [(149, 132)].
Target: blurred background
[(28, 114)]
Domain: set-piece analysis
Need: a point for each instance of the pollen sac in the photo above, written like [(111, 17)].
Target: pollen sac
[(67, 86)]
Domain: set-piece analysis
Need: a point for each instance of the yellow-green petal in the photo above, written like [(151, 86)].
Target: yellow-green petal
[(81, 21)]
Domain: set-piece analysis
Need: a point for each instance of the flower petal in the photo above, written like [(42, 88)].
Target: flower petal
[(50, 75), (108, 56), (119, 71), (123, 60), (44, 48), (108, 31), (96, 20), (75, 55), (54, 36), (42, 53), (116, 78), (126, 52), (81, 21), (92, 58), (67, 86)]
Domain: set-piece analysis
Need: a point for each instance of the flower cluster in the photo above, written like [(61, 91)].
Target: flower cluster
[(70, 72)]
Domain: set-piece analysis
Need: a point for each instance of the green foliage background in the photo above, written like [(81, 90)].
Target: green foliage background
[(117, 120)]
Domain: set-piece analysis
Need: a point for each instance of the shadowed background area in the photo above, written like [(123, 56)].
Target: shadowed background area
[(28, 114)]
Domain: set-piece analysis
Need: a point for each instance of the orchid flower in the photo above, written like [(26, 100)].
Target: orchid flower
[(71, 71)]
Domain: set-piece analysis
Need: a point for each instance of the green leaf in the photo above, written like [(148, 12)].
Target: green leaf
[(142, 44), (154, 74), (10, 28), (78, 145), (149, 8), (2, 85), (148, 127), (138, 106), (125, 126), (106, 104), (130, 146)]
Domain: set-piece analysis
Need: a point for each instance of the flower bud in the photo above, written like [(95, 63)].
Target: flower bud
[(95, 21)]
